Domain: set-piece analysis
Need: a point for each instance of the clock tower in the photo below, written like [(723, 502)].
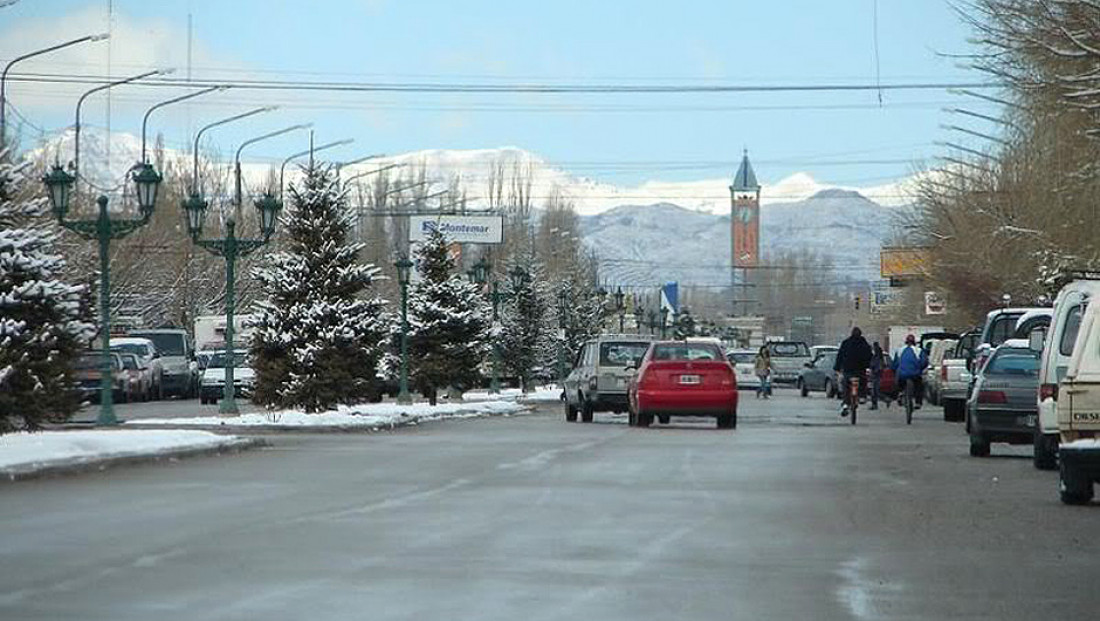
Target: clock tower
[(744, 230)]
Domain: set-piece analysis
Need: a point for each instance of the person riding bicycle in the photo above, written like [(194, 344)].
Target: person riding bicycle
[(909, 364), (852, 361)]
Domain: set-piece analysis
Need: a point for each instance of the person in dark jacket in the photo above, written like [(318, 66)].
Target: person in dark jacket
[(852, 361), (878, 364)]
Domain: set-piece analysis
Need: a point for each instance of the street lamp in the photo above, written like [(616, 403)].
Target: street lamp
[(664, 322), (563, 303), (639, 314), (404, 267), (145, 119), (652, 323), (312, 149), (59, 188), (620, 308), (231, 248), (479, 275), (7, 67)]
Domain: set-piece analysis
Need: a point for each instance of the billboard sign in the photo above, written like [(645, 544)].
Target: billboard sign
[(904, 262), (479, 229), (934, 304)]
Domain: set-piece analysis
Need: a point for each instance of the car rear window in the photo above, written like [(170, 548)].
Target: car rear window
[(167, 343), (622, 354), (742, 358), (1003, 327), (1069, 332), (1014, 362), (686, 351), (131, 348), (788, 350), (826, 360)]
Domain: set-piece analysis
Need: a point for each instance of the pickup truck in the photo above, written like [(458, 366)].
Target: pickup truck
[(955, 377), (1078, 409)]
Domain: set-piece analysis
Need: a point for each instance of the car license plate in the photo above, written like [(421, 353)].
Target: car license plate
[(1086, 417), (1026, 421), (690, 379)]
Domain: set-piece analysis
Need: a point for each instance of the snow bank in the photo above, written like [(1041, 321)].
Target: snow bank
[(30, 451), (375, 415), (542, 394)]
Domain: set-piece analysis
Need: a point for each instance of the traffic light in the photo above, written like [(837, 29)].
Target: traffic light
[(858, 299)]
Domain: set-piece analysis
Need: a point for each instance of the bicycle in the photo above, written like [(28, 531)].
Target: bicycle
[(853, 397)]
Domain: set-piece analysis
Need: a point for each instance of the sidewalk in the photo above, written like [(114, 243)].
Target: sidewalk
[(29, 455)]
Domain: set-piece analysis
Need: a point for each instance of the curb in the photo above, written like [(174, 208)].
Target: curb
[(275, 429), (79, 466)]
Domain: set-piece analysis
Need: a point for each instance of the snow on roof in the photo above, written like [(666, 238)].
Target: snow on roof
[(1032, 314), (1016, 343), (130, 340)]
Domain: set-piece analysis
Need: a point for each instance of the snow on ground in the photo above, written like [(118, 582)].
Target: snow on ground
[(542, 394), (23, 451), (374, 415)]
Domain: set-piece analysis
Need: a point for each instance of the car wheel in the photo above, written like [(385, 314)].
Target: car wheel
[(1074, 488), (664, 420), (725, 421), (586, 411), (954, 410), (830, 390), (570, 412), (979, 446), (1046, 447), (802, 389)]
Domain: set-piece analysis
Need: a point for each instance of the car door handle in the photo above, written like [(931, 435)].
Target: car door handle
[(1075, 391)]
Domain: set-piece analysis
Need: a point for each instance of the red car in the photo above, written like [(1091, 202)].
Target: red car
[(677, 378)]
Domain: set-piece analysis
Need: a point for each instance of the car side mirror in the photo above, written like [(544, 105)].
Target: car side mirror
[(808, 365), (1036, 340)]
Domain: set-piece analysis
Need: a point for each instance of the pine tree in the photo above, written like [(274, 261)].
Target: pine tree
[(449, 323), (523, 327), (40, 328), (579, 313), (319, 334)]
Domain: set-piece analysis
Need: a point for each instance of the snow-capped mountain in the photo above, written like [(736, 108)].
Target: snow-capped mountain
[(647, 244)]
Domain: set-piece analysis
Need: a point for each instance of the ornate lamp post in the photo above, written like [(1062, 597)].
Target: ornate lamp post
[(620, 308), (563, 303), (639, 314), (479, 275), (404, 267), (231, 248), (664, 322), (59, 188), (519, 277)]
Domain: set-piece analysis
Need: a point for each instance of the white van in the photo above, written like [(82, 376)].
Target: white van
[(1078, 412), (1058, 346)]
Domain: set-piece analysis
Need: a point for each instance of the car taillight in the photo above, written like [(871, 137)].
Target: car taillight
[(729, 377), (992, 396), (1048, 391), (943, 372)]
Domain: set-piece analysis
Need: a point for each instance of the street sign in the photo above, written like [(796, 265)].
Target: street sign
[(479, 229)]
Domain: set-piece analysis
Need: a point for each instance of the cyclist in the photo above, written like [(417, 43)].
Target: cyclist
[(909, 364), (852, 361), (878, 364)]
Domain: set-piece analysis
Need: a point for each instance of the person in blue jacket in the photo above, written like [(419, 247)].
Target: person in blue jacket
[(909, 364)]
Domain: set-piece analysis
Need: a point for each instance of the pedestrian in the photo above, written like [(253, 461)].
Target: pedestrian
[(764, 372), (878, 364)]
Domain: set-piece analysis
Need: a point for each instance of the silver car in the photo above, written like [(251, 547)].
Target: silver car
[(601, 373), (1003, 405)]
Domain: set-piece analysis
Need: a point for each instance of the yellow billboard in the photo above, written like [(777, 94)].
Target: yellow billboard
[(904, 261)]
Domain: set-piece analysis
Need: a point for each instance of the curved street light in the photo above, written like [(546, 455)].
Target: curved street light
[(310, 151), (225, 121), (145, 119)]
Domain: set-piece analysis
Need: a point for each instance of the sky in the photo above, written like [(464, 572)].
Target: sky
[(864, 138)]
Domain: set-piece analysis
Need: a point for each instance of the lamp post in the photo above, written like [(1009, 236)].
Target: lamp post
[(620, 308), (639, 314), (652, 322), (519, 278), (664, 322), (563, 302), (59, 187), (231, 247), (7, 67), (479, 275), (404, 267), (312, 149)]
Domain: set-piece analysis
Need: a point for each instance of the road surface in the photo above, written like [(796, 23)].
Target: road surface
[(795, 515)]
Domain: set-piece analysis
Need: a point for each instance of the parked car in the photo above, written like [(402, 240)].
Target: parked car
[(1000, 325), (1033, 321), (1078, 411), (139, 379), (87, 372), (213, 379), (818, 376), (601, 372), (788, 360), (955, 377), (937, 350), (744, 365), (1003, 406), (180, 374), (683, 379), (150, 357), (817, 350), (1057, 347)]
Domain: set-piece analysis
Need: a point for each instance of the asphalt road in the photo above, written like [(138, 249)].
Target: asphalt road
[(795, 515)]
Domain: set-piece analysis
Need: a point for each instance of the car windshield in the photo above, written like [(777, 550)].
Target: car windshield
[(90, 361), (788, 350), (1014, 362), (686, 351), (217, 361), (131, 348), (129, 362), (622, 354), (826, 361), (167, 343), (742, 358)]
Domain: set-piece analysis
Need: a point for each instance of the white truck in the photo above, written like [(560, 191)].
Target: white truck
[(1078, 412), (210, 332)]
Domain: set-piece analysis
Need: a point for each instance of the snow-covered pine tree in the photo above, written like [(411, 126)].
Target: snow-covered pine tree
[(523, 325), (320, 331), (579, 312), (40, 328), (449, 323)]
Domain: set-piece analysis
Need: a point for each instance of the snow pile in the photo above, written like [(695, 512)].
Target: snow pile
[(372, 416), (23, 451), (542, 394)]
